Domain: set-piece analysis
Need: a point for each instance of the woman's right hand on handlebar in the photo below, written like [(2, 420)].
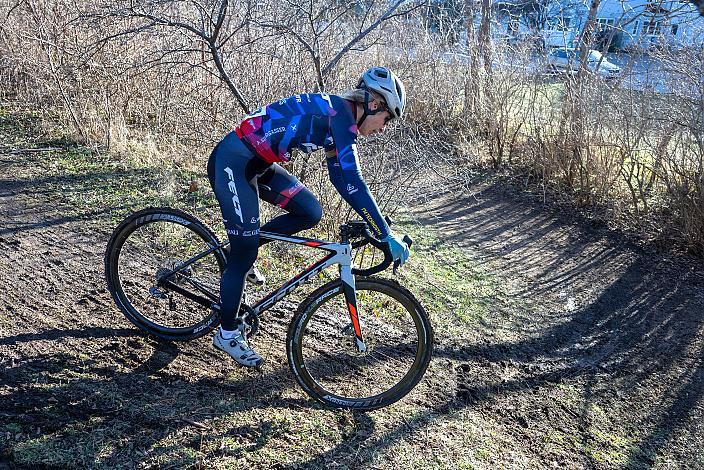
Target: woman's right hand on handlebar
[(399, 249)]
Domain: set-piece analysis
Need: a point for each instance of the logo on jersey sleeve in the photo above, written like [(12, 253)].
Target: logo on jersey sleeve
[(254, 119), (258, 112), (308, 147), (348, 157), (326, 97), (370, 220)]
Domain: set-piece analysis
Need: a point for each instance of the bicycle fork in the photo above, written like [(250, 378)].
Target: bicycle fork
[(348, 286)]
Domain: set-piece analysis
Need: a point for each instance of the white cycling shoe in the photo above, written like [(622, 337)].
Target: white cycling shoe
[(254, 276), (238, 348)]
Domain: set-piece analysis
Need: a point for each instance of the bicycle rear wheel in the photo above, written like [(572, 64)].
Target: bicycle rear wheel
[(141, 253), (325, 361)]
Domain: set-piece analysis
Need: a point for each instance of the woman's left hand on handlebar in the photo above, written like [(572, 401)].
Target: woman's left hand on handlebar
[(399, 249)]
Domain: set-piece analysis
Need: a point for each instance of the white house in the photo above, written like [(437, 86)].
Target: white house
[(642, 24), (624, 24)]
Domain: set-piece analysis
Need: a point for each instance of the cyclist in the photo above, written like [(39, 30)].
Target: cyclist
[(243, 168)]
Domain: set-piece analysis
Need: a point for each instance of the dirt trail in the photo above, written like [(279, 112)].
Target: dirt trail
[(595, 360), (617, 326)]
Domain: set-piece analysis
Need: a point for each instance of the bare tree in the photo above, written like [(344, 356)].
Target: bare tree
[(211, 24), (471, 89), (328, 31)]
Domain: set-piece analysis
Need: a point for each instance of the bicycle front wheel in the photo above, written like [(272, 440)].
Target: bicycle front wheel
[(143, 250), (326, 362)]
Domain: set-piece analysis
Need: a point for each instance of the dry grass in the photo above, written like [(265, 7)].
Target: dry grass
[(155, 97)]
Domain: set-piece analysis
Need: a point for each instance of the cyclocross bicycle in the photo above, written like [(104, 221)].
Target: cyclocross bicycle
[(356, 342)]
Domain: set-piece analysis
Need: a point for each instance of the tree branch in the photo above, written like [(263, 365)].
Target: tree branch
[(330, 65)]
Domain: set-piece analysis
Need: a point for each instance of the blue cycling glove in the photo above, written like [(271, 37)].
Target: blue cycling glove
[(399, 249)]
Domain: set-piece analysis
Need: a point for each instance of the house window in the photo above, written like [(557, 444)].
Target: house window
[(636, 24), (675, 27), (652, 27), (559, 24), (605, 21)]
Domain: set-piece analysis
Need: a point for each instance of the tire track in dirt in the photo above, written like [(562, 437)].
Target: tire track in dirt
[(617, 326), (48, 272)]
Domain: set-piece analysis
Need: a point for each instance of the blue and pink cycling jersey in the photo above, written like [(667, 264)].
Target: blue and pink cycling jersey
[(242, 170), (309, 122)]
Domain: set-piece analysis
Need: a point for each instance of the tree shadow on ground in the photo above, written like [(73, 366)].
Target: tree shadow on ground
[(36, 213), (634, 346), (637, 342), (62, 404), (56, 333), (637, 350)]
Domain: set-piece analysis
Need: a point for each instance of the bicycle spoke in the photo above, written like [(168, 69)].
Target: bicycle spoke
[(150, 252), (333, 360)]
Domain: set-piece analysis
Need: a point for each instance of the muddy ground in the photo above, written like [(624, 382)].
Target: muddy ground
[(591, 357)]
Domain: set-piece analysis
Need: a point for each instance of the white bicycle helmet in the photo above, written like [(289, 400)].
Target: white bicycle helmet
[(384, 82)]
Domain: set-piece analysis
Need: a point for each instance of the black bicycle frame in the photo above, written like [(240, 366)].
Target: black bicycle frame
[(339, 253)]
